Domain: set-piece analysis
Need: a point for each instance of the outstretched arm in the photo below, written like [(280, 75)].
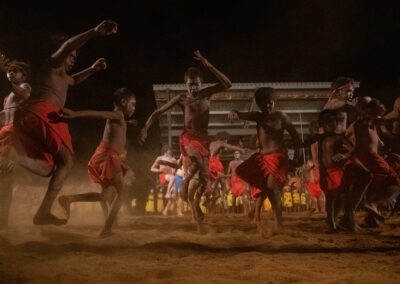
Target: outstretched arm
[(4, 61), (235, 115), (224, 82), (155, 167), (113, 115), (103, 29), (287, 124), (79, 77), (174, 101), (234, 148)]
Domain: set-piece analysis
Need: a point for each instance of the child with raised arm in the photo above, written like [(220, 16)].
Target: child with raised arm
[(195, 105), (268, 169), (106, 166), (17, 73), (46, 146)]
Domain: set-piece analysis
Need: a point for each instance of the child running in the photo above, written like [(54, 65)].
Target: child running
[(106, 166)]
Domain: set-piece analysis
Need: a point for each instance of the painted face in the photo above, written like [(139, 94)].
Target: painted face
[(70, 61), (193, 85), (15, 75), (128, 107)]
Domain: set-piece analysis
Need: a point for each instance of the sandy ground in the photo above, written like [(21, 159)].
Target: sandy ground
[(154, 249)]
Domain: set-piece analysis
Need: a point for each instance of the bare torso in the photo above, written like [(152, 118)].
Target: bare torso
[(196, 113), (331, 145), (164, 168), (10, 106), (233, 165), (270, 132), (115, 134), (216, 147), (365, 136), (53, 85)]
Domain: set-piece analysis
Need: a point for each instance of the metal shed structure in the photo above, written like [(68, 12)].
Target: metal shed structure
[(302, 101)]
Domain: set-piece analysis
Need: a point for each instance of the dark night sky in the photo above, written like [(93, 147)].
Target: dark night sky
[(250, 41)]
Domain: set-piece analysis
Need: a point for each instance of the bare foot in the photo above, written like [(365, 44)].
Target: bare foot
[(106, 234), (251, 213), (65, 204), (371, 208), (199, 215), (264, 231), (48, 219), (202, 228), (371, 221)]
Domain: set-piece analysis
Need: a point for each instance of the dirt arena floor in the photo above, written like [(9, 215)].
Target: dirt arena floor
[(152, 249)]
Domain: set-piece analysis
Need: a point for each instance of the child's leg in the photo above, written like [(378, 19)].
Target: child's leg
[(274, 195), (118, 183), (259, 204), (202, 164), (354, 193), (63, 166), (108, 196), (330, 212), (66, 200), (321, 203), (234, 209)]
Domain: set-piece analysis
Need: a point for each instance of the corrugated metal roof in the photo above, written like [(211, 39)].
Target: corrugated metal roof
[(252, 86)]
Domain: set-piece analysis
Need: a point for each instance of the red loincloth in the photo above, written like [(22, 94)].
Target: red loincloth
[(334, 178), (194, 140), (238, 186), (162, 178), (41, 130), (6, 138), (383, 174), (256, 169), (215, 167), (255, 192), (105, 163), (314, 189)]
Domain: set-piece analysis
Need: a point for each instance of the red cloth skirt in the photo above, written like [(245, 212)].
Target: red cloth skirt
[(105, 163), (41, 130)]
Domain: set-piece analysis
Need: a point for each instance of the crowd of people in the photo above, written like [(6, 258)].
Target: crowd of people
[(354, 163)]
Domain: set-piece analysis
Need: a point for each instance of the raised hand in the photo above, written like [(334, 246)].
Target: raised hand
[(68, 113), (99, 65), (106, 28), (4, 61), (198, 56), (233, 116)]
